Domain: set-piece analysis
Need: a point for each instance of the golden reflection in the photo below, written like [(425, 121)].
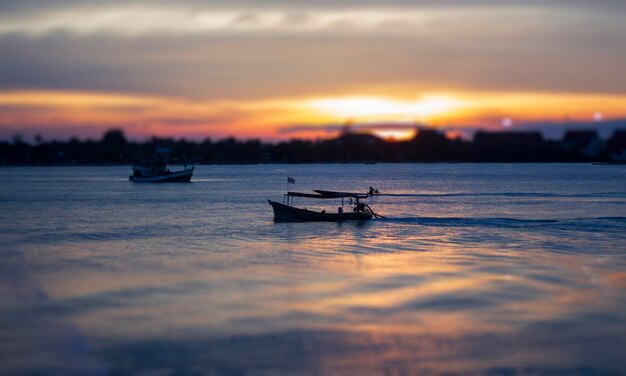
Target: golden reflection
[(405, 292), (617, 280)]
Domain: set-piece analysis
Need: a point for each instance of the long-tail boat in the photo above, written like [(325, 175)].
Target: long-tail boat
[(286, 212)]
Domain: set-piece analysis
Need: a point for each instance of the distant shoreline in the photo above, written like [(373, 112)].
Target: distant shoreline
[(311, 163), (428, 146)]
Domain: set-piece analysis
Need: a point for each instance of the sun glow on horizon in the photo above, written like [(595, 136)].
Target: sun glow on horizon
[(387, 109), (394, 134), (65, 113)]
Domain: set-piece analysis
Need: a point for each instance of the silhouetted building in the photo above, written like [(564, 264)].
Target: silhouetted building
[(616, 145), (508, 146), (585, 142)]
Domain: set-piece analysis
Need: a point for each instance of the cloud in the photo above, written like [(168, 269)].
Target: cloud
[(136, 20), (240, 51), (212, 51), (14, 6), (249, 66), (36, 18)]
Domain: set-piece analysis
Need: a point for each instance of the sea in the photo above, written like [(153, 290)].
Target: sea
[(475, 269)]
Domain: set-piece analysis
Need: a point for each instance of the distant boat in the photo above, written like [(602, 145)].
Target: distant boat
[(156, 171), (286, 212)]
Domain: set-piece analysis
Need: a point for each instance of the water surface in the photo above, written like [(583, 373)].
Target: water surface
[(477, 269)]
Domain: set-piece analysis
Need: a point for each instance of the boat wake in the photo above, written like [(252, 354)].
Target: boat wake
[(508, 194), (588, 224)]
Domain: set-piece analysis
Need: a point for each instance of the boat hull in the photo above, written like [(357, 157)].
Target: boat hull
[(183, 176), (286, 213)]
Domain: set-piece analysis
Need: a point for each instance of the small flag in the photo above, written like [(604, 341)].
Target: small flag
[(291, 180)]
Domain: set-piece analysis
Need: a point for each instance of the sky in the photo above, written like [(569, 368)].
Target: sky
[(282, 69)]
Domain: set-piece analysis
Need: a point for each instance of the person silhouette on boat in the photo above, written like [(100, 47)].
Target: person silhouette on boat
[(371, 191), (359, 207)]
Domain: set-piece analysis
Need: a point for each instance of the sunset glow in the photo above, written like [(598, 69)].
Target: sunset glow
[(86, 114), (386, 108), (281, 71)]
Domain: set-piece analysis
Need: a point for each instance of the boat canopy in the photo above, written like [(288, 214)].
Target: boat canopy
[(327, 196), (335, 194)]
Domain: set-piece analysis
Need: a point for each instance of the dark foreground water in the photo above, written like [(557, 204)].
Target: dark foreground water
[(478, 269)]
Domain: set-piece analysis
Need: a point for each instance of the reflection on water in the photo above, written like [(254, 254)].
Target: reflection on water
[(479, 269)]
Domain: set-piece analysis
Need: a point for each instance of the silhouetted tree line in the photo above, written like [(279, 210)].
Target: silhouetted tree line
[(426, 146)]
